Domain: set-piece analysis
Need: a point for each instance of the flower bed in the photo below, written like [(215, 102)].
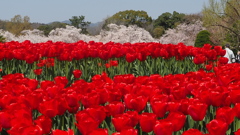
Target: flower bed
[(118, 89)]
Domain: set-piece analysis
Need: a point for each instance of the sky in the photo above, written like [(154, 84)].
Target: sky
[(46, 11)]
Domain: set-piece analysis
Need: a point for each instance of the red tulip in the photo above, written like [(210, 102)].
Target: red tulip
[(126, 78), (45, 123), (219, 50), (21, 122), (77, 73), (223, 60), (147, 121), (61, 81), (99, 131), (27, 130), (164, 53), (41, 63), (130, 57), (208, 67), (237, 110), (199, 59), (134, 102), (85, 123), (107, 65), (129, 131), (72, 99), (48, 108), (97, 113), (37, 71), (61, 132), (115, 108), (163, 127), (217, 98), (177, 119), (235, 96), (237, 132), (159, 108), (184, 103), (225, 114), (5, 120), (114, 63), (104, 95), (173, 106), (91, 99), (197, 111), (121, 122), (32, 83), (63, 106), (217, 127), (141, 56), (134, 117), (192, 132), (49, 62), (46, 83)]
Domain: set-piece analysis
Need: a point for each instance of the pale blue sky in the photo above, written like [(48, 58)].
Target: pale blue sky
[(45, 11)]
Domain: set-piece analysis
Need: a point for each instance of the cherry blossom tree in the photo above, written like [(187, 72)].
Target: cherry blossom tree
[(185, 33)]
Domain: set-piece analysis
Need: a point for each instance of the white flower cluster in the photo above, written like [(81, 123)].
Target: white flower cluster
[(122, 34), (116, 33), (185, 33)]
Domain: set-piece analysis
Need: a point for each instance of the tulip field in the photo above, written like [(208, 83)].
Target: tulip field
[(95, 88)]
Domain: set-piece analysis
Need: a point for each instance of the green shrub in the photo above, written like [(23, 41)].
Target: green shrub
[(203, 37)]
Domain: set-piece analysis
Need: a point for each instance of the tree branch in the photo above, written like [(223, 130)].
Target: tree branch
[(234, 9), (225, 27)]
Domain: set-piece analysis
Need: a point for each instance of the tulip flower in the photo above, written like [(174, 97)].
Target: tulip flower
[(61, 81), (199, 59), (115, 108), (147, 121), (5, 120), (217, 127), (113, 63), (237, 132), (134, 102), (208, 67), (77, 73), (85, 123), (97, 113), (99, 132), (48, 108), (225, 114), (159, 108), (61, 132), (237, 110), (121, 122), (37, 71), (130, 57), (91, 99), (163, 127), (45, 123), (107, 65), (223, 60), (178, 120), (197, 111), (129, 131), (192, 132), (134, 117)]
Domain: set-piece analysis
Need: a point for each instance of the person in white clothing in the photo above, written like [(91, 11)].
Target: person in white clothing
[(229, 54)]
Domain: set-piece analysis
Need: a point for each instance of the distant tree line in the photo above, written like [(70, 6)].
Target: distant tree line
[(220, 18), (129, 17)]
